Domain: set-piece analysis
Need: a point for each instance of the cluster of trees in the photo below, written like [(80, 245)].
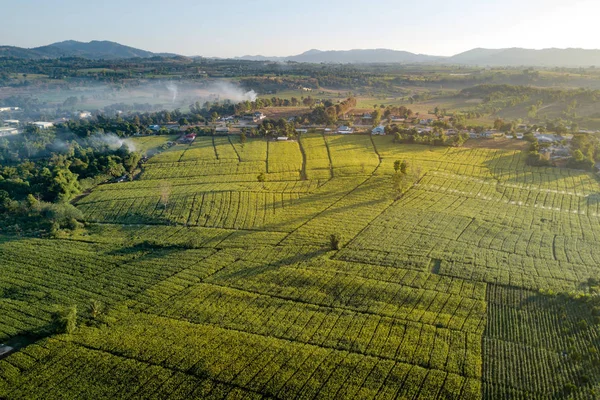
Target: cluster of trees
[(35, 191), (280, 127), (435, 138)]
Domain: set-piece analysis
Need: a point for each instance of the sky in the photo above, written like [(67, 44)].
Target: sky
[(280, 28)]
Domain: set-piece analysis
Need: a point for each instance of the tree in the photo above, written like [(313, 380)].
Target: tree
[(261, 177), (397, 165), (403, 167), (376, 117), (243, 138), (131, 161), (65, 321), (64, 184), (95, 308), (334, 241)]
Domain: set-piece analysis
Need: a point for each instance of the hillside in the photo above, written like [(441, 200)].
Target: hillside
[(528, 57)]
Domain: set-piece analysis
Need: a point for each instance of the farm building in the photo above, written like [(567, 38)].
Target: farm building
[(301, 130), (11, 122), (380, 130), (43, 125), (282, 138)]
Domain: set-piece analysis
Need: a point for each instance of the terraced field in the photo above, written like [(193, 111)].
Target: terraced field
[(215, 285)]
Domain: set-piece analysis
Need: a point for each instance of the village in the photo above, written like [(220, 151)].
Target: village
[(554, 147)]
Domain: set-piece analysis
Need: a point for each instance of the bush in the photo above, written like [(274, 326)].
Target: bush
[(335, 240)]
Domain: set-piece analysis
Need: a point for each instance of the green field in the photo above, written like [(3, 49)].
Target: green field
[(215, 285)]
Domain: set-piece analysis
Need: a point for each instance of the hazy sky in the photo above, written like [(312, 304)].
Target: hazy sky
[(275, 27)]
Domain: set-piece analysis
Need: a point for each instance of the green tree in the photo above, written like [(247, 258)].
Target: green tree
[(334, 241), (131, 161), (261, 177), (65, 321)]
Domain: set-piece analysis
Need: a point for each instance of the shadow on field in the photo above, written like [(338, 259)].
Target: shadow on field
[(246, 269)]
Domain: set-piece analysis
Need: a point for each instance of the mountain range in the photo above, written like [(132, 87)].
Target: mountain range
[(482, 57)]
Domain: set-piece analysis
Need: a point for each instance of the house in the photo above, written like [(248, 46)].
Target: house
[(367, 116), (398, 119), (172, 127), (11, 122), (7, 109), (60, 120), (222, 129), (380, 130), (8, 131), (84, 115), (190, 137), (327, 130), (282, 138), (154, 128), (43, 125), (301, 130), (345, 130), (258, 116)]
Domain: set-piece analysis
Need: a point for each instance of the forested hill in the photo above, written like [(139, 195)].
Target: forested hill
[(71, 48)]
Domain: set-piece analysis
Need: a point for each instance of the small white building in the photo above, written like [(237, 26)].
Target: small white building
[(11, 122), (380, 130), (84, 115), (8, 131), (7, 109), (301, 130), (282, 138), (345, 130), (43, 125), (258, 116)]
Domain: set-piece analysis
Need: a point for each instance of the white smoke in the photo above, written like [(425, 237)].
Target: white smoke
[(223, 90), (112, 141), (173, 89)]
